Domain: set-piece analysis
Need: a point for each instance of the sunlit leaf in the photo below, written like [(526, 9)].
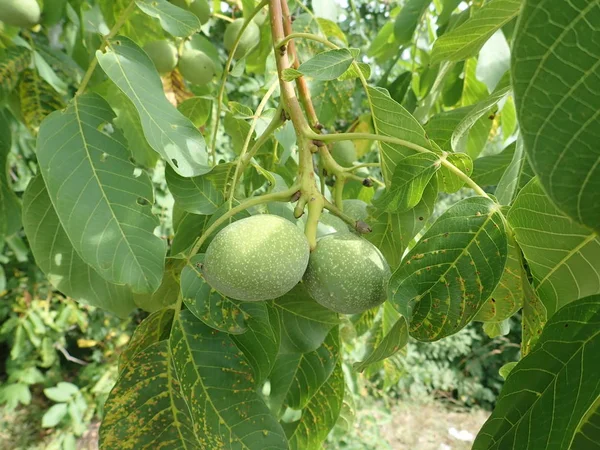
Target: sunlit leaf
[(104, 210), (563, 256), (551, 397), (176, 21), (467, 39), (409, 18), (196, 195), (555, 69), (56, 256), (167, 131), (327, 65), (454, 268)]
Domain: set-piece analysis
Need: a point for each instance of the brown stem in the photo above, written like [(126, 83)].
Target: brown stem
[(303, 90)]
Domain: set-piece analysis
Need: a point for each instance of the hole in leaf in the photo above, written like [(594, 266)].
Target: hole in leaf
[(142, 201), (137, 172), (174, 161), (103, 157)]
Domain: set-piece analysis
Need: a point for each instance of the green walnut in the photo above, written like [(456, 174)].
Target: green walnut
[(347, 274), (200, 8), (261, 17), (249, 40), (163, 54), (344, 153), (357, 209), (330, 224), (19, 13), (258, 258), (197, 67)]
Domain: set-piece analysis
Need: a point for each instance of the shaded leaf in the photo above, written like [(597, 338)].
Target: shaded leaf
[(218, 384), (534, 318), (391, 336), (208, 305), (146, 407), (38, 99), (167, 131), (304, 323), (104, 209), (197, 109), (489, 170), (10, 208), (448, 180), (551, 397), (196, 195), (13, 61), (516, 175), (409, 18), (410, 178), (454, 268), (297, 377)]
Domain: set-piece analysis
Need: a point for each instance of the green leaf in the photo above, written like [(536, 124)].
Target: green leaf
[(167, 293), (188, 229), (38, 99), (411, 177), (534, 318), (551, 397), (514, 177), (208, 305), (196, 195), (290, 74), (489, 170), (327, 65), (495, 329), (391, 337), (219, 386), (167, 131), (467, 39), (10, 208), (13, 61), (319, 416), (260, 343), (175, 21), (408, 20), (128, 121), (392, 232), (54, 415), (330, 99), (304, 323), (454, 268), (62, 392), (56, 256), (297, 377), (155, 328), (391, 119), (448, 180), (563, 256), (507, 298), (146, 407), (13, 394), (506, 369), (332, 29), (104, 209), (555, 69), (197, 109)]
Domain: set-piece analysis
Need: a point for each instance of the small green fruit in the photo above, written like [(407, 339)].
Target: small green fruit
[(197, 67), (19, 13), (200, 8), (163, 54), (357, 209), (344, 153), (261, 17), (250, 37), (258, 258), (330, 224), (347, 274)]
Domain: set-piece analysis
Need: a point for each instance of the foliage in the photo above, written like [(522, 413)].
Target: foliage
[(117, 179)]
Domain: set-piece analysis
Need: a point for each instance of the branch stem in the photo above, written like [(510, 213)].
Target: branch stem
[(111, 34)]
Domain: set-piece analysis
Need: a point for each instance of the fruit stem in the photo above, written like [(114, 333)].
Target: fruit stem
[(111, 34), (282, 196), (358, 225), (222, 17), (306, 172), (360, 166), (247, 20)]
